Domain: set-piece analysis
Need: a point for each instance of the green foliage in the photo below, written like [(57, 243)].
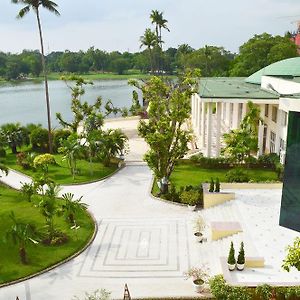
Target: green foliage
[(39, 139), (231, 258), (58, 136), (190, 197), (28, 190), (168, 110), (2, 152), (96, 295), (264, 291), (241, 255), (222, 291), (135, 108), (211, 185), (217, 188), (237, 175), (3, 168), (43, 161), (293, 256), (260, 51)]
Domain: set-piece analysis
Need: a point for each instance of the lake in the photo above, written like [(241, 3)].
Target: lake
[(25, 102)]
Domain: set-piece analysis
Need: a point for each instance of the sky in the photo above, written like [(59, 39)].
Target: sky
[(118, 24)]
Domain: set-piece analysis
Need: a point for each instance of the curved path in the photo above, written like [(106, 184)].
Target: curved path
[(143, 242)]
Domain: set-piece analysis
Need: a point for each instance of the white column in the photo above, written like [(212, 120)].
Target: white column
[(203, 116), (199, 116), (235, 116), (209, 129), (196, 114), (192, 109), (278, 131), (244, 110), (218, 134), (261, 131), (228, 114)]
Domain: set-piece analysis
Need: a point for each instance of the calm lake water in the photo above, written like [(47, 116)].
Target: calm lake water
[(25, 102)]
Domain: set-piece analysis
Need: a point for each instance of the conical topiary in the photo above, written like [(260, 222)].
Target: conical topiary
[(217, 188), (231, 257), (241, 256), (211, 185)]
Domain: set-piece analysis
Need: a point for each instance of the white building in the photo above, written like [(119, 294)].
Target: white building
[(221, 104)]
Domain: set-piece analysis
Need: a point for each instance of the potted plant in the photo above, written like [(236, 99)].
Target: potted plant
[(211, 185), (240, 264), (217, 187), (199, 226), (231, 258), (191, 198), (199, 276)]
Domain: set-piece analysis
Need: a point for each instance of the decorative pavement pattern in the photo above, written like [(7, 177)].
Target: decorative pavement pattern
[(144, 248)]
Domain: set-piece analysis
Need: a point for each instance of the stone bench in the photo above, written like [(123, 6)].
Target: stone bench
[(254, 262), (220, 230)]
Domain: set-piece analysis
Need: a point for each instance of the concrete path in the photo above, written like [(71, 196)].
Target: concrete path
[(145, 243)]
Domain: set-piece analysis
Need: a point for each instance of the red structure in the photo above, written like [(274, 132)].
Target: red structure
[(295, 37)]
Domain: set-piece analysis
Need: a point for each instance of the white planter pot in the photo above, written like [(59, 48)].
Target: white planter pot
[(240, 267), (199, 285), (199, 236), (191, 207), (231, 267)]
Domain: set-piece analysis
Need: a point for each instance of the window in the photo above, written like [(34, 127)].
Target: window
[(240, 113), (272, 142), (284, 118), (274, 113), (266, 110), (282, 145)]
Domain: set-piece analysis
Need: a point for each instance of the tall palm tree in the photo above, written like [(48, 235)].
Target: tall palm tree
[(35, 6), (149, 40), (159, 21)]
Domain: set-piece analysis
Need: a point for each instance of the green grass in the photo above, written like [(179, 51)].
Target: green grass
[(187, 173), (61, 172), (39, 256)]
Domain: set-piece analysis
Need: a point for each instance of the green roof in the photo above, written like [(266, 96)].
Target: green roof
[(232, 87), (287, 68)]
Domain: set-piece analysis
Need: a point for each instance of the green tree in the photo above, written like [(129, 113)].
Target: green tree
[(71, 150), (35, 6), (72, 207), (260, 51), (43, 161), (21, 234), (168, 110), (159, 21), (149, 40), (39, 139), (15, 135)]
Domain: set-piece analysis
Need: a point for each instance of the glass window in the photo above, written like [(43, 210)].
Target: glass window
[(272, 141), (274, 113), (266, 110)]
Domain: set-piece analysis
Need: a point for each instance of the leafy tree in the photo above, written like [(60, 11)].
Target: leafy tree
[(28, 190), (71, 150), (35, 6), (260, 51), (15, 135), (21, 234), (241, 142), (120, 65), (168, 110), (49, 208), (149, 40), (72, 206), (58, 136), (293, 257), (159, 21)]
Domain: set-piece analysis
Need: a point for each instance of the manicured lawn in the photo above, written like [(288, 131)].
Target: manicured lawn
[(39, 256), (61, 172), (189, 174)]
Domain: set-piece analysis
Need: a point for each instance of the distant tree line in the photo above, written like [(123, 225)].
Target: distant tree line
[(258, 52)]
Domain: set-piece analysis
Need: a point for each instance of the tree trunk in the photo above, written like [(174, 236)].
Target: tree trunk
[(46, 82), (22, 253), (14, 149)]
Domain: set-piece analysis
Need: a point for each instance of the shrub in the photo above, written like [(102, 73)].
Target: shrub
[(293, 257), (43, 161), (218, 287), (237, 175), (211, 162), (211, 186), (39, 139), (58, 136), (190, 197), (22, 160), (217, 188), (264, 291), (231, 257), (241, 256), (2, 152)]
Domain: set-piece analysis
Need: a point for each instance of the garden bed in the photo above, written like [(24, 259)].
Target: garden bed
[(40, 256)]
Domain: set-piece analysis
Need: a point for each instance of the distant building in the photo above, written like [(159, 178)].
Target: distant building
[(295, 37), (221, 104)]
